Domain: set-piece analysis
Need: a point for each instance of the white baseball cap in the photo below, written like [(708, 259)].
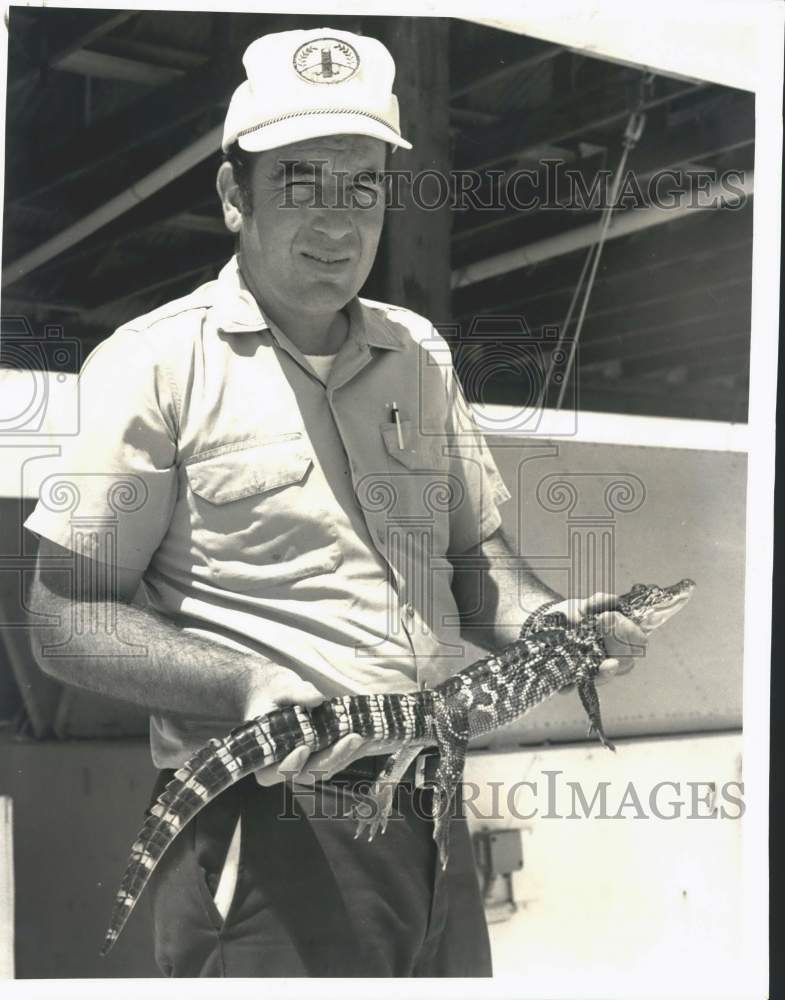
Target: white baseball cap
[(304, 84)]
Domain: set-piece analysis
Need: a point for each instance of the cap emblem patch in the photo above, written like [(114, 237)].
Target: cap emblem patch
[(326, 60)]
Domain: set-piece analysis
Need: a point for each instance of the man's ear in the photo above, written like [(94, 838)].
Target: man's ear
[(230, 196)]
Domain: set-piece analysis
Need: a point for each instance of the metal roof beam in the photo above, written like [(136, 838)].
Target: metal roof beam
[(143, 122), (666, 253), (519, 134), (168, 171), (582, 237), (88, 62), (73, 33), (540, 54), (731, 128)]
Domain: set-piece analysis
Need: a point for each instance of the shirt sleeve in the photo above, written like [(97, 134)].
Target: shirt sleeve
[(475, 515), (115, 485)]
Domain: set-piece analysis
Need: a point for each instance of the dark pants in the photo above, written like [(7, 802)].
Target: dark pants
[(312, 901)]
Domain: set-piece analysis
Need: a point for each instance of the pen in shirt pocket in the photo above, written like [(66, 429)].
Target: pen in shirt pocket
[(397, 421)]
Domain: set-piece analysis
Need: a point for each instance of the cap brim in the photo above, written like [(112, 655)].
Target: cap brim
[(296, 129)]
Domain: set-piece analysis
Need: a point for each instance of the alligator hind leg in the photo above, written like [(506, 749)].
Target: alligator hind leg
[(452, 734), (446, 782), (375, 806)]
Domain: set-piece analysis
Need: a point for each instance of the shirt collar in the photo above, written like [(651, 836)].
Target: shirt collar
[(379, 329), (235, 310)]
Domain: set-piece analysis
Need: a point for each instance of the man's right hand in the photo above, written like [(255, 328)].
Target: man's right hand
[(282, 687)]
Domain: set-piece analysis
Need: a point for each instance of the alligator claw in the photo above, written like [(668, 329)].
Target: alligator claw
[(594, 731), (373, 811)]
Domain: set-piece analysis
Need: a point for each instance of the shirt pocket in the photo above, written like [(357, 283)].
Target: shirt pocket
[(257, 515), (420, 451), (226, 474), (422, 491)]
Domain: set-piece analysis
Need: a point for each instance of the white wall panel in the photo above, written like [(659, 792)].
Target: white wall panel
[(628, 906)]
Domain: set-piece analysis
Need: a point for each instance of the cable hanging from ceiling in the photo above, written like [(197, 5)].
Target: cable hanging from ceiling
[(631, 137)]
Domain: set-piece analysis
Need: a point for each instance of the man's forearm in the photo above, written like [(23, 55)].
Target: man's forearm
[(495, 591), (148, 661)]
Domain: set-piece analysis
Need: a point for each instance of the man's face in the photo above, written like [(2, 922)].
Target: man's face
[(317, 211)]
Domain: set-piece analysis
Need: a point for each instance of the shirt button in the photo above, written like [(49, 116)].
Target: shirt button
[(408, 611)]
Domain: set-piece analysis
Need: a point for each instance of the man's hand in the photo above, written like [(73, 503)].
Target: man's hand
[(283, 687), (304, 768), (623, 640)]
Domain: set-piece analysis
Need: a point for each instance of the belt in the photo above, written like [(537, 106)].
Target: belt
[(421, 772)]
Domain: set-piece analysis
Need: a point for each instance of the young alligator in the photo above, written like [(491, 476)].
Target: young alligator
[(549, 655)]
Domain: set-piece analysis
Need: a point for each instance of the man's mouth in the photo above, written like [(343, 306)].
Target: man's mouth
[(322, 259)]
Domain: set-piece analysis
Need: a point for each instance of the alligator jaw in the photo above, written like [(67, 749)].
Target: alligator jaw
[(657, 616)]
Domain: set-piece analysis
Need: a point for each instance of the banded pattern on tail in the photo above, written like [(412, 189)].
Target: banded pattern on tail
[(256, 744), (549, 655)]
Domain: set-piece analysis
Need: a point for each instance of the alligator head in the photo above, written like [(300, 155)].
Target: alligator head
[(649, 605)]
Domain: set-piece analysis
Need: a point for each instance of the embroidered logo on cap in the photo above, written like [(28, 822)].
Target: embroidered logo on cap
[(326, 60)]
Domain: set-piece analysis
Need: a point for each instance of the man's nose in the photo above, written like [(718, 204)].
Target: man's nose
[(333, 222)]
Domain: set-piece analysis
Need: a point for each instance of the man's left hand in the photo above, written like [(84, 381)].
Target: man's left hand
[(623, 640)]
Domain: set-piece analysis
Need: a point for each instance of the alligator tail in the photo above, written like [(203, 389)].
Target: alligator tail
[(203, 777)]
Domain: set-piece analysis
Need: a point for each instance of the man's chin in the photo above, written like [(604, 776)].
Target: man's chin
[(326, 292)]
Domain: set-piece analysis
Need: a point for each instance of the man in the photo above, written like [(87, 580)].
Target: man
[(288, 484)]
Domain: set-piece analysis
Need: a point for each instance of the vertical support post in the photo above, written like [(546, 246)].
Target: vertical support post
[(414, 256)]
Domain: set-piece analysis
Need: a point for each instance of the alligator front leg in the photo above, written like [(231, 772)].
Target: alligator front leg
[(373, 811), (591, 705)]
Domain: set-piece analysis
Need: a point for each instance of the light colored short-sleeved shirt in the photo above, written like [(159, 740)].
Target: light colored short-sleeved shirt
[(271, 510)]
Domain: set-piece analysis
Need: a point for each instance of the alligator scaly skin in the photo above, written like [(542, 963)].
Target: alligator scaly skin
[(549, 655)]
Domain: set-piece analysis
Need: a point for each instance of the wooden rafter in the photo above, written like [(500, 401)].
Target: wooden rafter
[(73, 34)]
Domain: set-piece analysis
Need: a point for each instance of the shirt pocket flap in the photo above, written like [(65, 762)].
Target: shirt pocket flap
[(243, 472), (420, 451)]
